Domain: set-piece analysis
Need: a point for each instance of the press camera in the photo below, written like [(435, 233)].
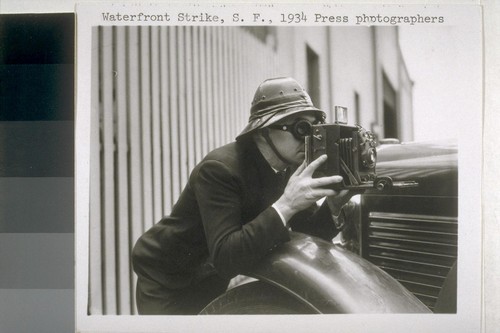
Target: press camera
[(351, 152)]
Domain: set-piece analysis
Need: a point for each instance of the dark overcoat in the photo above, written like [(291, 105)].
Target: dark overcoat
[(223, 219)]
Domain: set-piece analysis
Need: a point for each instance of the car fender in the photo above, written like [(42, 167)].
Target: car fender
[(331, 279)]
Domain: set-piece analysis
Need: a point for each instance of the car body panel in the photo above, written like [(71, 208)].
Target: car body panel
[(334, 280), (433, 165)]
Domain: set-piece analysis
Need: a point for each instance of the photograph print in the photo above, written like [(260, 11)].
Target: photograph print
[(275, 169)]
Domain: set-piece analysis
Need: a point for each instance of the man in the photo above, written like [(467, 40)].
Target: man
[(238, 205)]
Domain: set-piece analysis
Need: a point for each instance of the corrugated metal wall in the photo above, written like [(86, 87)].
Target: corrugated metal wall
[(162, 98)]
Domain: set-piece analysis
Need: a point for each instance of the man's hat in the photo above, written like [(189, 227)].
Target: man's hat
[(276, 99)]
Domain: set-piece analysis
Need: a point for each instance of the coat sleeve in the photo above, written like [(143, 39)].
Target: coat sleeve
[(315, 222), (234, 247)]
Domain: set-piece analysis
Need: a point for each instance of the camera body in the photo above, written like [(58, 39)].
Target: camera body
[(351, 152)]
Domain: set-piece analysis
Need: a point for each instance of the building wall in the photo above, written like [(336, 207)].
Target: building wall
[(353, 71), (391, 63)]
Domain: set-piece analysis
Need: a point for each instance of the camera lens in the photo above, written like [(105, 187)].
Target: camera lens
[(302, 129), (370, 158)]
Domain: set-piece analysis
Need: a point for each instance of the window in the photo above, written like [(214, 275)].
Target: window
[(265, 34), (391, 121), (313, 76), (357, 109)]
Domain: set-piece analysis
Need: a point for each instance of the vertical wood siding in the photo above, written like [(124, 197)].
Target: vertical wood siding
[(163, 97)]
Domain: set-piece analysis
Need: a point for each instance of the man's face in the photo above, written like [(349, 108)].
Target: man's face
[(290, 147)]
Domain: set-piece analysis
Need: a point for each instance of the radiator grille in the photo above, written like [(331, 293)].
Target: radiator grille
[(417, 250)]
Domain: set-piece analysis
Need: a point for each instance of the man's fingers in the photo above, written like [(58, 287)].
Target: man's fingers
[(349, 193), (300, 169), (325, 192), (309, 170), (317, 194), (324, 181)]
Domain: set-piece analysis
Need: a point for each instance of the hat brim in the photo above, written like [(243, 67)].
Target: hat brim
[(267, 120)]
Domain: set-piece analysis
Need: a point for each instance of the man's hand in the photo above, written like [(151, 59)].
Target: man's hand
[(302, 190), (339, 199)]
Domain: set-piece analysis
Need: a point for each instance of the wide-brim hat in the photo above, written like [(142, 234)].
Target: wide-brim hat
[(276, 99)]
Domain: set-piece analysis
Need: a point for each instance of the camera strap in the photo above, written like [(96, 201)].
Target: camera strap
[(265, 134)]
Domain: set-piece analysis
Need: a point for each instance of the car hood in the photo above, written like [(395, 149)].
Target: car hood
[(432, 164)]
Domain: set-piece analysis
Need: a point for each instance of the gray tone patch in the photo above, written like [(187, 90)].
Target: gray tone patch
[(36, 205), (41, 311), (36, 149), (36, 261)]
